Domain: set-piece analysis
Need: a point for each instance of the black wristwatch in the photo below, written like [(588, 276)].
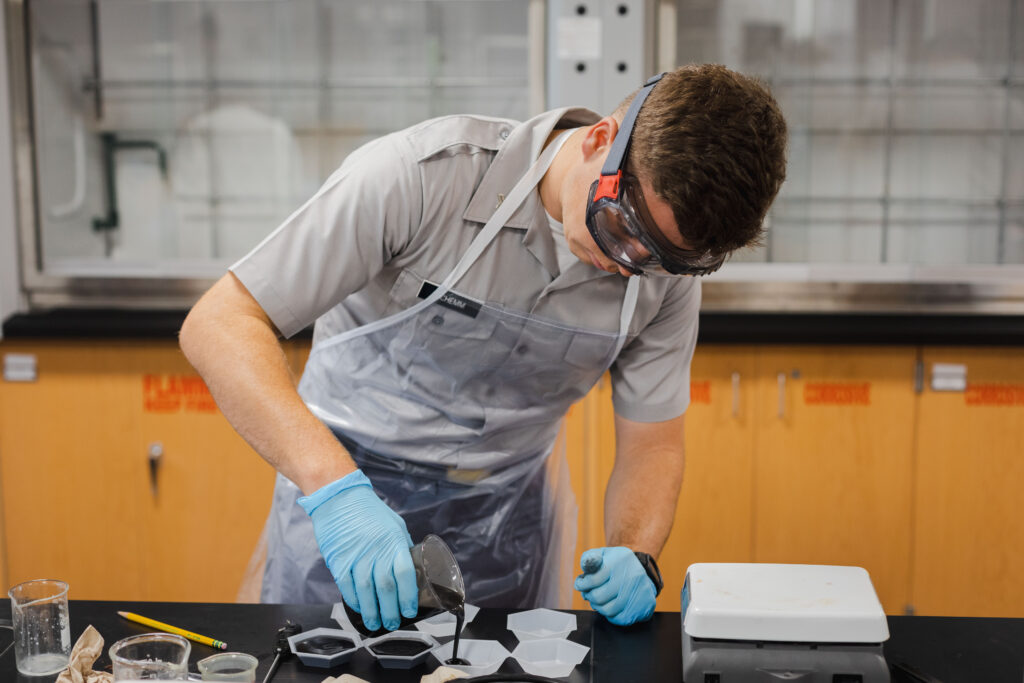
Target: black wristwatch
[(651, 567)]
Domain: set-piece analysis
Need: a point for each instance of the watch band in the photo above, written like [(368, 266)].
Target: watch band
[(653, 573)]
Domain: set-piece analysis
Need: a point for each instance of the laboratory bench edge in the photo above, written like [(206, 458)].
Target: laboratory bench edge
[(716, 327), (949, 649)]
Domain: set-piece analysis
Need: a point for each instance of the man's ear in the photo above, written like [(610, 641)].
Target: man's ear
[(598, 138)]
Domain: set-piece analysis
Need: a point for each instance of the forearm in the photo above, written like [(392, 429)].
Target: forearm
[(234, 347), (643, 490)]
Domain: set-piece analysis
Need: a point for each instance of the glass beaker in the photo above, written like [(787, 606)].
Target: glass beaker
[(42, 628), (229, 666), (438, 577), (151, 657)]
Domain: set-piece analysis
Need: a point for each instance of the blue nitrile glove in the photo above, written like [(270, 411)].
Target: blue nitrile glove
[(616, 585), (366, 546)]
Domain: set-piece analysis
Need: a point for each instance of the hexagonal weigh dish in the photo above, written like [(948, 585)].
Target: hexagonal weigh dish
[(324, 647), (401, 649), (554, 658), (484, 656), (441, 625), (541, 624)]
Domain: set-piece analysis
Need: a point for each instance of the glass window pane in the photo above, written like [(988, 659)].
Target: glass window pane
[(951, 39), (906, 122), (222, 117)]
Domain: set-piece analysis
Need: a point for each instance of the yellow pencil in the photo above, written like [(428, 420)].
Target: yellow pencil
[(205, 640)]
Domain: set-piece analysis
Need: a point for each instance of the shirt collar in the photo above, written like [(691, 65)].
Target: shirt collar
[(513, 159), (520, 150)]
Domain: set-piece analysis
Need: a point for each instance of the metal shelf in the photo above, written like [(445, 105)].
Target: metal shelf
[(903, 132), (1011, 81), (367, 83), (945, 201)]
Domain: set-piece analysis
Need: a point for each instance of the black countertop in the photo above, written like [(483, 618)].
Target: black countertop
[(949, 649), (715, 327)]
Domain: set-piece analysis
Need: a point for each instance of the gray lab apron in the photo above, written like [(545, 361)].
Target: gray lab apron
[(453, 418)]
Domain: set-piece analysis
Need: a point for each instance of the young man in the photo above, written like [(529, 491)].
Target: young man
[(470, 278)]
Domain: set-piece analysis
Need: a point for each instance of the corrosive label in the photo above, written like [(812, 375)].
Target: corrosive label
[(700, 392), (838, 393), (176, 393), (994, 395)]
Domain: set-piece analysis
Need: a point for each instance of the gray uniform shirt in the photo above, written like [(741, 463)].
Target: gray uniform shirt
[(401, 210)]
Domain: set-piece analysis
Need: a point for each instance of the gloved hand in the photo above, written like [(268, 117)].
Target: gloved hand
[(366, 546), (616, 585)]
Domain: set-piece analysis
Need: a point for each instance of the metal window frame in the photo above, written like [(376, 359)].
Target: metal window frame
[(47, 290), (878, 287), (738, 287)]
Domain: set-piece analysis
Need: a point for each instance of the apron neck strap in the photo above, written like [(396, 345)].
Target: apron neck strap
[(628, 307), (504, 212)]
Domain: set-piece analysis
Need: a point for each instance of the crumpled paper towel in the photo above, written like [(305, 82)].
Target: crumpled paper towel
[(85, 653), (441, 675)]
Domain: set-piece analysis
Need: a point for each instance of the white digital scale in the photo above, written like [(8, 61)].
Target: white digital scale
[(768, 623)]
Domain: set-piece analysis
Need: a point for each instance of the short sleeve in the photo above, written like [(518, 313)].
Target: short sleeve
[(365, 213), (651, 376)]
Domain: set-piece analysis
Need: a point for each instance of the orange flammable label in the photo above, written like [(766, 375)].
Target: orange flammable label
[(994, 395), (176, 393), (837, 393), (700, 392)]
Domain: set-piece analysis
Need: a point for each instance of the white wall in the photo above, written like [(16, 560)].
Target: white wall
[(11, 300)]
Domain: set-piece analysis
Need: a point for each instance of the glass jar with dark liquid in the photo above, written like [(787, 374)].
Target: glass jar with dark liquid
[(440, 588)]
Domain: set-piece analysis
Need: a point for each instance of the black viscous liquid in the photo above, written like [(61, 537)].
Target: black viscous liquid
[(450, 601), (460, 617), (399, 647), (457, 605), (454, 602), (323, 645)]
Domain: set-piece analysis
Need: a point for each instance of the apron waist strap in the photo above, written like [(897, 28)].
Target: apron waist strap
[(460, 476)]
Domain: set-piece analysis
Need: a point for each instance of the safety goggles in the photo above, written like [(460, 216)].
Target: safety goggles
[(621, 224)]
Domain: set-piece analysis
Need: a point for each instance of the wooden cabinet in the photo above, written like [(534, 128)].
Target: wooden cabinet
[(590, 448), (968, 522), (211, 497), (834, 446), (712, 521), (73, 471), (797, 454), (81, 499)]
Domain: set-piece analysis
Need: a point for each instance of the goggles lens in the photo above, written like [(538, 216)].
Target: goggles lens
[(624, 230)]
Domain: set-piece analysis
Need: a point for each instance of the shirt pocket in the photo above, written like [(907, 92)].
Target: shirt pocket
[(590, 351)]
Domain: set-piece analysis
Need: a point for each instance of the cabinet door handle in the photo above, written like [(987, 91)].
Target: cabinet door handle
[(735, 394), (782, 395), (155, 454)]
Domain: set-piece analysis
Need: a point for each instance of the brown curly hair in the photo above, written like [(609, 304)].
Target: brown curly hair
[(712, 143)]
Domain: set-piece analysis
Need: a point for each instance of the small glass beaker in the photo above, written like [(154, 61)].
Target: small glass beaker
[(42, 628), (151, 657), (438, 577), (229, 666)]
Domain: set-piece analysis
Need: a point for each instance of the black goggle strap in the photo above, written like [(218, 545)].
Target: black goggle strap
[(620, 146)]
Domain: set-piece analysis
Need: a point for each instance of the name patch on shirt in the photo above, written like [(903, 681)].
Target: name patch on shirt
[(451, 300)]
